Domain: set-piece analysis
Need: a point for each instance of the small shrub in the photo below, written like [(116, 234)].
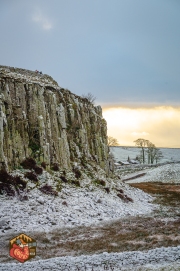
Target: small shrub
[(125, 197), (128, 198), (89, 97), (55, 167), (107, 189), (28, 163), (31, 176), (99, 201), (58, 187), (19, 182), (100, 182), (83, 163), (77, 173), (24, 198), (64, 203), (5, 177), (43, 165), (47, 189), (94, 158), (38, 170), (121, 196), (9, 184), (6, 188), (77, 183), (63, 178), (120, 190)]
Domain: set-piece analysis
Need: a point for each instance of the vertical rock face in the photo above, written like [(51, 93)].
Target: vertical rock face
[(42, 120)]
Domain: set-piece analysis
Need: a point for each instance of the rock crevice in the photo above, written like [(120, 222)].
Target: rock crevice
[(42, 120)]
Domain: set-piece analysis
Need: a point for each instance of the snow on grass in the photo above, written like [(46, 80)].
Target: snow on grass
[(169, 173)]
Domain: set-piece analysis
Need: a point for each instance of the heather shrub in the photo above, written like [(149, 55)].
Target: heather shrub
[(31, 176), (55, 167), (121, 196), (128, 198), (19, 182), (77, 173), (76, 182), (28, 163), (43, 164), (38, 170), (63, 178), (9, 184), (120, 190), (47, 189), (101, 182), (107, 189)]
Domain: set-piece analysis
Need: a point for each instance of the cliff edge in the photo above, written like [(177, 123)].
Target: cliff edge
[(39, 119)]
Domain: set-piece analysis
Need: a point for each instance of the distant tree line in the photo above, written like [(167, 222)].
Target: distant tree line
[(148, 153)]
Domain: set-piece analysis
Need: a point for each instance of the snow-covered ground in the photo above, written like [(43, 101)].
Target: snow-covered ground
[(156, 259), (74, 206), (122, 153), (169, 173), (87, 205)]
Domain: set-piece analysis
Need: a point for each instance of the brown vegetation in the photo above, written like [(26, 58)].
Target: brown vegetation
[(55, 167), (77, 173), (64, 179), (28, 163), (31, 176), (47, 189), (9, 184)]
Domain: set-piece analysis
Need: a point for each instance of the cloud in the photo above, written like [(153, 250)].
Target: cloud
[(139, 133), (160, 125), (42, 20)]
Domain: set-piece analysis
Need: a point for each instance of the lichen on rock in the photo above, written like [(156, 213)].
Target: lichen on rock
[(40, 119)]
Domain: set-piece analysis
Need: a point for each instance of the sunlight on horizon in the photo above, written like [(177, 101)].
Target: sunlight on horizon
[(160, 125)]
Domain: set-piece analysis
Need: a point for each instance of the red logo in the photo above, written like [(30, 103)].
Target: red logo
[(22, 248)]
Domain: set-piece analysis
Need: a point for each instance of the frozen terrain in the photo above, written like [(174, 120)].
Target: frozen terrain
[(74, 206), (122, 153), (83, 206), (169, 173), (156, 259)]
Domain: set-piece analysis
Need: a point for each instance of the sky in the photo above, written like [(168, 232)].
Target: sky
[(125, 52)]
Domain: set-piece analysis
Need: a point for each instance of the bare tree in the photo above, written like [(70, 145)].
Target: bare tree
[(112, 141), (142, 143), (90, 97), (158, 155), (147, 147), (151, 151)]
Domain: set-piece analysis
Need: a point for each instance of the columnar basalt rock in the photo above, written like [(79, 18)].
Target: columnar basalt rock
[(42, 120)]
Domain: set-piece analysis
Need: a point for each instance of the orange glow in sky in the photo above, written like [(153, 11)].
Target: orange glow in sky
[(160, 125)]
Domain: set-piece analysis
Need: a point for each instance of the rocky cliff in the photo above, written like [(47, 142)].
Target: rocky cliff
[(40, 119)]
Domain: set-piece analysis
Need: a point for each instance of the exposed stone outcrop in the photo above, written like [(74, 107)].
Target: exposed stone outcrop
[(42, 120)]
